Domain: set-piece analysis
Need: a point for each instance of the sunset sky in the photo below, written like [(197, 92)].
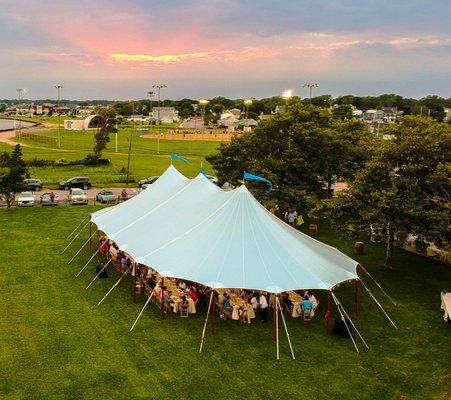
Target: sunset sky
[(109, 49)]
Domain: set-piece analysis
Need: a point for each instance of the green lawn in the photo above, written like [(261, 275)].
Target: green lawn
[(144, 160), (55, 344)]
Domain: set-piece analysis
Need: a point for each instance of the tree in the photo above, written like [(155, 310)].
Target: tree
[(12, 174), (107, 125), (298, 151), (402, 192)]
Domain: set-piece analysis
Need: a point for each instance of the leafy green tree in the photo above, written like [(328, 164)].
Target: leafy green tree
[(107, 125), (13, 171), (402, 192), (298, 151)]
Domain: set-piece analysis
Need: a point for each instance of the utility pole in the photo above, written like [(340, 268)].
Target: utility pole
[(159, 86), (310, 86), (58, 88)]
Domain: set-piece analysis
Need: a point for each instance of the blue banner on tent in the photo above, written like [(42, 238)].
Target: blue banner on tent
[(175, 156), (247, 176)]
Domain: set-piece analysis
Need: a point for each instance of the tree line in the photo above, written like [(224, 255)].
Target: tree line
[(397, 189)]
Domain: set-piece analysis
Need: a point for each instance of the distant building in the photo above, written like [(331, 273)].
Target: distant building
[(373, 116), (391, 114), (84, 111), (139, 119), (166, 114), (91, 122), (235, 111), (447, 115), (48, 109), (280, 109)]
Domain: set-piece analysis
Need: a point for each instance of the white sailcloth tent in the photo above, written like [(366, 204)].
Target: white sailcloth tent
[(190, 229)]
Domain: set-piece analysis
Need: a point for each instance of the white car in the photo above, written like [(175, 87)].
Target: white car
[(25, 199), (77, 196)]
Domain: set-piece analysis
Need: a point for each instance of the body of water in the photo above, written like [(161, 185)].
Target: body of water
[(7, 124)]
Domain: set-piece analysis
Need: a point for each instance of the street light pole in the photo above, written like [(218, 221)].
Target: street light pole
[(130, 145), (159, 86), (310, 86), (18, 125), (58, 88)]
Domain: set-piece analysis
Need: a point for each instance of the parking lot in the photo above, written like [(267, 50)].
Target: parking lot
[(62, 195)]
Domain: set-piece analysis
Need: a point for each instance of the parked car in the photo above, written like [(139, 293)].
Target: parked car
[(49, 199), (25, 199), (106, 196), (32, 184), (148, 181), (81, 182), (77, 196)]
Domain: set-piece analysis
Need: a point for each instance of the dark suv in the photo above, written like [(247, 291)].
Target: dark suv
[(32, 185), (81, 182)]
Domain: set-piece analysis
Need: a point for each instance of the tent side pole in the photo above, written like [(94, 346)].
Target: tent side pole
[(162, 297), (286, 331), (213, 317), (81, 248), (327, 316), (75, 237), (276, 313), (79, 272), (106, 265), (206, 320), (352, 323), (346, 324), (375, 300), (377, 284), (109, 291), (142, 310), (90, 229)]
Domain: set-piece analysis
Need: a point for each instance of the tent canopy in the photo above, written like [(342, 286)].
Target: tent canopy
[(191, 229)]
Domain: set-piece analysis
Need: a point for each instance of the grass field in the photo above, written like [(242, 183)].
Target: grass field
[(144, 160), (55, 344)]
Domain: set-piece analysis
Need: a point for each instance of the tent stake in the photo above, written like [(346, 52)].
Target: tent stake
[(78, 226), (87, 263), (352, 323), (375, 300), (75, 237), (346, 324), (109, 291), (206, 320), (142, 310), (81, 248), (286, 330), (377, 284), (106, 265)]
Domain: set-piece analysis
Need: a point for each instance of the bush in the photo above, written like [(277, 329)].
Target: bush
[(92, 159)]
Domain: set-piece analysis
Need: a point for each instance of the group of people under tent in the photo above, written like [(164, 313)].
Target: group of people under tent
[(180, 297)]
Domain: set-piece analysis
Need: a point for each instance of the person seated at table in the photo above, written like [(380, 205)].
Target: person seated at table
[(182, 285), (306, 305), (152, 281), (167, 298), (183, 302), (193, 295), (286, 300), (312, 298), (228, 305), (158, 290), (221, 298)]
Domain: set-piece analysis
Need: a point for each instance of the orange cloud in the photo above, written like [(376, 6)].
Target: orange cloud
[(230, 55)]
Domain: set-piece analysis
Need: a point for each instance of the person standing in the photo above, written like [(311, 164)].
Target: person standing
[(263, 302), (291, 218)]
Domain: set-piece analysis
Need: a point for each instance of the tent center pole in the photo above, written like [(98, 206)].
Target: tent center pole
[(286, 330), (206, 320)]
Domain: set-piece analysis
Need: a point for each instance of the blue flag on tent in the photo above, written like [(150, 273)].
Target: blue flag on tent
[(202, 171), (175, 156), (247, 176)]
